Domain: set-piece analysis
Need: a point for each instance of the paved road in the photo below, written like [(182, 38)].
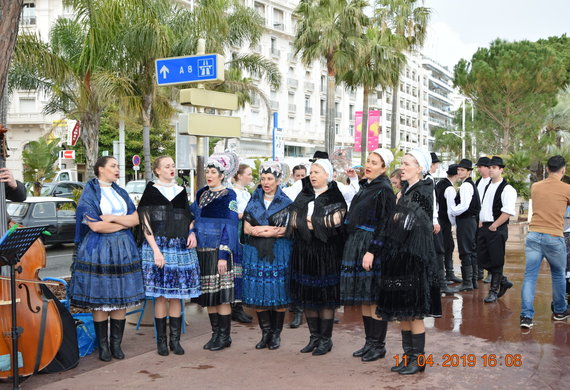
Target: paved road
[(58, 261)]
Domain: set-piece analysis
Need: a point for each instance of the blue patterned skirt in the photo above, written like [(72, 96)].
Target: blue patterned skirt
[(266, 283), (180, 276), (106, 272)]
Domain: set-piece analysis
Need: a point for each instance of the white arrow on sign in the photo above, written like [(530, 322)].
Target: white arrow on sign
[(164, 70)]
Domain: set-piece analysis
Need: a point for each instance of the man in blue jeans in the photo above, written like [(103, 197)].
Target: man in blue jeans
[(550, 198)]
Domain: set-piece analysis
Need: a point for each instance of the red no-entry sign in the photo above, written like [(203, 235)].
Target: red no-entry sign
[(67, 154)]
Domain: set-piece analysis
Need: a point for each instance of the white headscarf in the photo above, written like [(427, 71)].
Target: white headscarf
[(423, 157), (386, 155), (327, 166)]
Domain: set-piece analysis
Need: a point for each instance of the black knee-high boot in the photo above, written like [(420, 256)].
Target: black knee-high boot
[(377, 349), (102, 333), (117, 330), (418, 349), (277, 319), (314, 324), (325, 342), (366, 320), (224, 340), (175, 324), (407, 347), (215, 323), (160, 327), (264, 319)]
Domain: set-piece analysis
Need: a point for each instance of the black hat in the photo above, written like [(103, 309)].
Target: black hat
[(318, 154), (483, 161), (496, 160), (434, 158), (452, 170), (465, 163)]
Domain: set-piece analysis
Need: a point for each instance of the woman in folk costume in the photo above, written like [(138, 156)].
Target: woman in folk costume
[(367, 217), (170, 263), (315, 225), (216, 228), (106, 272), (266, 255), (408, 274)]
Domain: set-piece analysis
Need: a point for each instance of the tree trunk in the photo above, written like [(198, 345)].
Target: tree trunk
[(395, 123), (147, 105), (10, 11), (364, 131), (90, 138), (331, 113)]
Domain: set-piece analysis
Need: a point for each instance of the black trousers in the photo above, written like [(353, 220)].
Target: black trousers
[(491, 247), (448, 244), (466, 230)]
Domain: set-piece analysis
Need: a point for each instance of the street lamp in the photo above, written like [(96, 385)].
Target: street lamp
[(460, 135)]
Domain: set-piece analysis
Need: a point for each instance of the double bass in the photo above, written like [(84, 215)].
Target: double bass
[(37, 330)]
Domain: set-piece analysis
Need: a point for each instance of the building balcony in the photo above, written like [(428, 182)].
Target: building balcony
[(23, 118), (292, 107), (274, 105), (309, 86), (292, 83), (308, 110)]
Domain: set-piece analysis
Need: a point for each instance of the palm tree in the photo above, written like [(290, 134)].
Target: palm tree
[(326, 29), (73, 68), (38, 159), (407, 19), (379, 58)]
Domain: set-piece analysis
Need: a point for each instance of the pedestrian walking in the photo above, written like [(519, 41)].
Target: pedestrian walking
[(481, 182), (545, 239)]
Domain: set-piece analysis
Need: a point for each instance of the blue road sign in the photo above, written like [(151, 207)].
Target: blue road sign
[(190, 69), (136, 160)]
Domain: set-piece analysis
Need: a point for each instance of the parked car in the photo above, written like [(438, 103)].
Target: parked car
[(63, 189), (58, 214), (135, 189)]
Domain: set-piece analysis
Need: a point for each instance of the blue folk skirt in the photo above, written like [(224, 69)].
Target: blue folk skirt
[(265, 282), (180, 276), (106, 272)]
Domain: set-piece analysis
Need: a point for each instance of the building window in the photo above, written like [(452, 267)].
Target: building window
[(351, 112), (28, 14), (323, 107), (337, 128), (323, 83), (260, 8), (274, 46), (278, 23), (27, 105)]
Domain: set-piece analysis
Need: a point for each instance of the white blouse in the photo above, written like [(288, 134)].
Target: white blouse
[(111, 202), (169, 192)]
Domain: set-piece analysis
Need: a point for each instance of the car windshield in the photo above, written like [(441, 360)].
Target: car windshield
[(46, 189), (17, 209), (135, 187)]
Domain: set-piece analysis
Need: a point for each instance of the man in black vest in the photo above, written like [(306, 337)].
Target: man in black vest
[(481, 183), (497, 206), (465, 211), (445, 194)]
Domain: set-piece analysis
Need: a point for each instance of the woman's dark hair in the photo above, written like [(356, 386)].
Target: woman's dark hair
[(397, 173), (299, 168), (100, 163), (241, 170)]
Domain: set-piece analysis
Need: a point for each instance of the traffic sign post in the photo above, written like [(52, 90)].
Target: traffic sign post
[(190, 69), (136, 165)]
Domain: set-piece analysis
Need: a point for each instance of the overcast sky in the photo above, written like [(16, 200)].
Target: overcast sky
[(459, 27)]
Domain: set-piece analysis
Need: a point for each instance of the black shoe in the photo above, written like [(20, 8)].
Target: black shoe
[(117, 330), (161, 345), (102, 333), (493, 295), (175, 324), (561, 316), (407, 347), (488, 278), (297, 319), (448, 290), (467, 282), (418, 346), (378, 341), (224, 340), (475, 275), (215, 323), (264, 319), (366, 320), (526, 322), (314, 328), (277, 319), (505, 285), (450, 276), (239, 315), (325, 342)]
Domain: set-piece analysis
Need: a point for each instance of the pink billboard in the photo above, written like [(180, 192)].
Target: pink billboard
[(374, 130)]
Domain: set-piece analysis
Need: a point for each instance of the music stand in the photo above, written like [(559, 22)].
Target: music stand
[(13, 244)]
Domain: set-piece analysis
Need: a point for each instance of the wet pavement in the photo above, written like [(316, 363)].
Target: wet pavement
[(461, 344)]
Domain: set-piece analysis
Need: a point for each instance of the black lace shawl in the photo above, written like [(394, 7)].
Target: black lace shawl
[(329, 205), (372, 206), (410, 230), (161, 217)]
